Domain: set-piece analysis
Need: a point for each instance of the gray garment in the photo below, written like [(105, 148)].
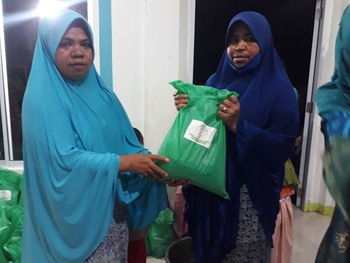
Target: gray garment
[(114, 248), (251, 244)]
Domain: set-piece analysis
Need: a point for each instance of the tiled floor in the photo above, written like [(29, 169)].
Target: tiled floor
[(155, 260), (309, 229)]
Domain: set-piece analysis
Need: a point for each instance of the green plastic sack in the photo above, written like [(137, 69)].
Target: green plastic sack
[(6, 229), (11, 226), (11, 216), (196, 142), (10, 184), (12, 248), (21, 191), (160, 234)]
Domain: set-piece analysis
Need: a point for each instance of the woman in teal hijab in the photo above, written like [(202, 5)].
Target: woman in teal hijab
[(333, 101), (81, 155)]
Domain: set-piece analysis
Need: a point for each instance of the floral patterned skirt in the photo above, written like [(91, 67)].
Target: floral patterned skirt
[(114, 248), (251, 243)]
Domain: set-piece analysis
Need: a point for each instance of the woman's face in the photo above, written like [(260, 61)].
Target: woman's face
[(74, 54), (242, 45)]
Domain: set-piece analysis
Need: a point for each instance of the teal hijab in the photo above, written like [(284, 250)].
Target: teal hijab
[(335, 95), (333, 101), (73, 134)]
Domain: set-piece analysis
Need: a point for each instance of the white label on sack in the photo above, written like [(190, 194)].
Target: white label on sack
[(200, 133), (5, 195)]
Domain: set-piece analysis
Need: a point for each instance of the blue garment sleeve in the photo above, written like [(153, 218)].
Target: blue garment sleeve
[(152, 199), (266, 147), (262, 153)]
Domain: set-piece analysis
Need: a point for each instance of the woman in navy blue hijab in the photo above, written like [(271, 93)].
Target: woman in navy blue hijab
[(261, 130)]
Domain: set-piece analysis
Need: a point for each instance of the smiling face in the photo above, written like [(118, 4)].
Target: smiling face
[(242, 46), (74, 55)]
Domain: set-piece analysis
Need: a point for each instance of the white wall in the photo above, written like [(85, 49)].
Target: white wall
[(93, 17), (128, 57), (150, 48), (186, 39), (316, 191), (162, 66)]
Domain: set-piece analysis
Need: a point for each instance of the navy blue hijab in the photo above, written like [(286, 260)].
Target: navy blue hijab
[(266, 132)]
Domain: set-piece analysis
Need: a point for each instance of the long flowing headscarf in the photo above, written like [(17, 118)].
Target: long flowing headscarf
[(266, 132), (73, 134), (333, 102), (335, 95)]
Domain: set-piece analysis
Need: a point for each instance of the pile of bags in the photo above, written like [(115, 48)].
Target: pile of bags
[(11, 216)]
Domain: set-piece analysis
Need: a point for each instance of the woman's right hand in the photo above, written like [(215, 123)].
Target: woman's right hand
[(181, 100), (143, 163)]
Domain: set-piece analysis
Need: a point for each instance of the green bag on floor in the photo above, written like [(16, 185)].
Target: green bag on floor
[(11, 216), (13, 248), (11, 226), (160, 234), (196, 142), (10, 187)]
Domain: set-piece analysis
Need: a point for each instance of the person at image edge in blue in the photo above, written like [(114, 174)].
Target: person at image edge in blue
[(81, 156), (262, 125)]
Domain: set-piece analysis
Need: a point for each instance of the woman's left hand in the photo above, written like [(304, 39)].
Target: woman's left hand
[(229, 112)]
